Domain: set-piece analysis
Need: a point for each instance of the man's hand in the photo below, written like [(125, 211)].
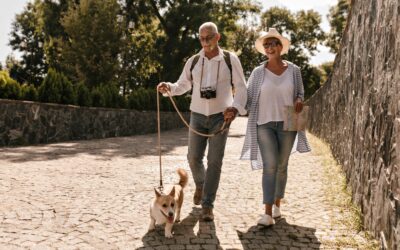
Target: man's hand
[(163, 87), (230, 114), (298, 105)]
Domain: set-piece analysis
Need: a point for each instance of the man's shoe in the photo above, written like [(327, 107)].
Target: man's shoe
[(207, 214), (276, 211), (198, 194), (266, 220)]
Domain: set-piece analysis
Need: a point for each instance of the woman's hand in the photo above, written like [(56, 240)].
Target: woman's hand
[(298, 105), (162, 87)]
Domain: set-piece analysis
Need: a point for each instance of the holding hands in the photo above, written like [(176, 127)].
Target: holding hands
[(230, 114)]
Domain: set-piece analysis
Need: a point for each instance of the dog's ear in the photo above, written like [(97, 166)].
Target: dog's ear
[(158, 194), (172, 193)]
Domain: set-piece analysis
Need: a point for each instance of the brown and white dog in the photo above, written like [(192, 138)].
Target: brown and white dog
[(166, 207)]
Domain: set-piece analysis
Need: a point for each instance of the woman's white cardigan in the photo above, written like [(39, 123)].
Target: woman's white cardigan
[(250, 149)]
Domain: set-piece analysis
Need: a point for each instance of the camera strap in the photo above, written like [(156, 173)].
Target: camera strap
[(227, 59), (201, 77)]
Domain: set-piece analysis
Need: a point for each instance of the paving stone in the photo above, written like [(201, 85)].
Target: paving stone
[(96, 195)]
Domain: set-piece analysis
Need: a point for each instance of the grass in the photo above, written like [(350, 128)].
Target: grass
[(338, 195)]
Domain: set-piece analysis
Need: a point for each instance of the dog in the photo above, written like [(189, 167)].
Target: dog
[(166, 207)]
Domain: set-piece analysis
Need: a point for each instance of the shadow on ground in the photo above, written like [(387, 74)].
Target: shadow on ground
[(282, 234), (129, 147), (184, 234)]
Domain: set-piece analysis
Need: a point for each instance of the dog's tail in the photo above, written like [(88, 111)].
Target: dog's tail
[(183, 177)]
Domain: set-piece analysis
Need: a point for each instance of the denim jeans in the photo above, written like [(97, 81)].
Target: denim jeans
[(208, 179), (275, 147)]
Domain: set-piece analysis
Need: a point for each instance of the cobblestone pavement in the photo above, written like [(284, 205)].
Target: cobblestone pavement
[(96, 195)]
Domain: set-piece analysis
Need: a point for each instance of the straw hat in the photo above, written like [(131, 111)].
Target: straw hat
[(272, 32)]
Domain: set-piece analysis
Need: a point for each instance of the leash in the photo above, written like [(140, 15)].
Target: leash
[(161, 187), (221, 130)]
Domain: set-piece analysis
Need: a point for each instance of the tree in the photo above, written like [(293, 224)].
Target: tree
[(139, 58), (15, 69), (327, 69), (179, 21), (242, 43), (337, 19), (27, 38), (50, 14), (94, 34), (9, 88)]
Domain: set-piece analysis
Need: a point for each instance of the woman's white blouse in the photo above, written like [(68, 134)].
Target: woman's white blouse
[(276, 93)]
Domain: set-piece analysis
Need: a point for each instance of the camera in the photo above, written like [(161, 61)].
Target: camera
[(208, 93)]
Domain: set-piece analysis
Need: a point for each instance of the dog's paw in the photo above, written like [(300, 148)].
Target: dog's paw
[(168, 235), (151, 228)]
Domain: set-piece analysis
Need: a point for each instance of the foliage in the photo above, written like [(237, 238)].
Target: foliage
[(312, 79), (98, 99), (179, 22), (83, 96), (94, 38), (114, 48), (9, 88), (67, 91), (29, 92), (56, 88), (50, 13), (112, 98), (27, 38), (146, 99), (242, 43), (326, 69), (138, 56), (337, 19)]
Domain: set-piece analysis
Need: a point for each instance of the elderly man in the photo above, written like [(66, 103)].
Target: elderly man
[(212, 74)]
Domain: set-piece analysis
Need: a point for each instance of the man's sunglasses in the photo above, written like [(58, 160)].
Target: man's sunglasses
[(206, 39)]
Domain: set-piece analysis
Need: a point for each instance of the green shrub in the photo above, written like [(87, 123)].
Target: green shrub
[(67, 93), (50, 89), (83, 95), (121, 100), (146, 99), (112, 97), (9, 88), (98, 99), (56, 88), (132, 100), (29, 92)]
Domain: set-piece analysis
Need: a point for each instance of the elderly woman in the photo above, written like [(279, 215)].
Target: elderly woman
[(272, 86)]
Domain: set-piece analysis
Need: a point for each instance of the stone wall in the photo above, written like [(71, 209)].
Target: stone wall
[(24, 123), (357, 112)]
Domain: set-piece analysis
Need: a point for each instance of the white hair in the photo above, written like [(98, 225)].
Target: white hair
[(209, 26)]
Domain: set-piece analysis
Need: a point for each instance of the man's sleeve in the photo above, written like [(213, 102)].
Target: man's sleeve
[(239, 82), (184, 82)]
